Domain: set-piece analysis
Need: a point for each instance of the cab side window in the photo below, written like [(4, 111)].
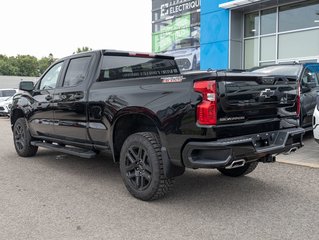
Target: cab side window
[(77, 71), (310, 77), (50, 79)]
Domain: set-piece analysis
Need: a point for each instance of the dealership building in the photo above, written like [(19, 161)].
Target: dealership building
[(238, 34)]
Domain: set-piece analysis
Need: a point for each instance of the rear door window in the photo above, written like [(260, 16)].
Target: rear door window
[(77, 71)]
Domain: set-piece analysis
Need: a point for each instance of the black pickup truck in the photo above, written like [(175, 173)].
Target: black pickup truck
[(156, 121)]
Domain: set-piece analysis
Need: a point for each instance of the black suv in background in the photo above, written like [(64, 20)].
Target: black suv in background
[(308, 76)]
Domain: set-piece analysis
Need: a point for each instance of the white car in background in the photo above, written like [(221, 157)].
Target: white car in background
[(186, 53), (5, 106), (6, 93), (316, 122)]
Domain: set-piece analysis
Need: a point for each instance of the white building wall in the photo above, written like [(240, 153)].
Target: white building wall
[(13, 81)]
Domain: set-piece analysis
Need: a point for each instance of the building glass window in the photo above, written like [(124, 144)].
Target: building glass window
[(298, 16), (287, 33), (252, 24), (267, 48), (251, 53), (176, 31), (268, 21), (289, 42)]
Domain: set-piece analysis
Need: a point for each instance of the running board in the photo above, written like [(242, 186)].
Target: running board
[(80, 152), (307, 129)]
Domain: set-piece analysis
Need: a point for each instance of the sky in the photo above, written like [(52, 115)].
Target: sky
[(41, 27)]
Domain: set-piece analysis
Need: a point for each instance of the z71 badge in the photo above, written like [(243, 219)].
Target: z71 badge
[(172, 79)]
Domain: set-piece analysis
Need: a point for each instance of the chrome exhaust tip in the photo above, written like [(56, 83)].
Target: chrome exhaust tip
[(291, 150), (236, 164)]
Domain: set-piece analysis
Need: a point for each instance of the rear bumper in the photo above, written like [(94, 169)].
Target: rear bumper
[(221, 153)]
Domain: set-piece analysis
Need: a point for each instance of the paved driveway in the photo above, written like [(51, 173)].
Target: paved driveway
[(308, 155), (53, 196)]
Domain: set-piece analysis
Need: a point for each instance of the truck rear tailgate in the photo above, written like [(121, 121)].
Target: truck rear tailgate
[(257, 97)]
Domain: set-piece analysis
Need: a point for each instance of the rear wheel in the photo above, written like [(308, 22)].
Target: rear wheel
[(22, 139), (239, 171), (141, 167)]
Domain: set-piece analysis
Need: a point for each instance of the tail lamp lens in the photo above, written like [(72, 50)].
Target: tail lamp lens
[(298, 101), (207, 110)]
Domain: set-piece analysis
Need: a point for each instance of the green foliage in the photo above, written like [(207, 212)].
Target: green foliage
[(44, 63), (28, 66), (24, 65), (8, 66), (83, 49)]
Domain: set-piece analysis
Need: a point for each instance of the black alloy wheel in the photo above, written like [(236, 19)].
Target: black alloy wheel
[(22, 139), (138, 167), (141, 167)]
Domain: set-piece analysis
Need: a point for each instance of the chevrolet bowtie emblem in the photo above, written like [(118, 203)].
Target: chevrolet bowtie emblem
[(267, 93)]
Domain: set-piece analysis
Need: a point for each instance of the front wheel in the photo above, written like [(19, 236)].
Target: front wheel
[(239, 171), (141, 167), (22, 139)]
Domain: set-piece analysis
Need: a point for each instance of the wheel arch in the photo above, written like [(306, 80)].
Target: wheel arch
[(129, 123), (15, 115)]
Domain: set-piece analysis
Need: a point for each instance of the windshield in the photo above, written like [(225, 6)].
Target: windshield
[(9, 99), (7, 93), (287, 70)]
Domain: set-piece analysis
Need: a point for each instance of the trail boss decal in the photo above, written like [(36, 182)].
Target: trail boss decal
[(172, 79), (227, 119)]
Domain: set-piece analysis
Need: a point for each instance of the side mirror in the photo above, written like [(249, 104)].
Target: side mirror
[(26, 86), (310, 85)]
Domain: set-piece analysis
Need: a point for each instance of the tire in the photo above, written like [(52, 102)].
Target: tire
[(141, 167), (240, 171), (22, 139)]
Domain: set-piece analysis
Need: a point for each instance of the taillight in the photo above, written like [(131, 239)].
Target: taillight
[(207, 110), (298, 102)]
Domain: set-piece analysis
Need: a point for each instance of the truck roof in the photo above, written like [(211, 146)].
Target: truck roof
[(113, 52)]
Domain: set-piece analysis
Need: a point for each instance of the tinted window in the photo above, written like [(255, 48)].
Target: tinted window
[(7, 93), (311, 75), (285, 70), (121, 67), (50, 79), (77, 71)]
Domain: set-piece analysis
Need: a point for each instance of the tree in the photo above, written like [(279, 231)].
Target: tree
[(24, 65), (7, 68), (83, 49), (44, 63), (27, 65)]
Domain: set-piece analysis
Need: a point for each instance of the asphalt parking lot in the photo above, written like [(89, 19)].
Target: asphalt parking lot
[(52, 196)]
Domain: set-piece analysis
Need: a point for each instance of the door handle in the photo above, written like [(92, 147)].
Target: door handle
[(48, 97), (78, 95)]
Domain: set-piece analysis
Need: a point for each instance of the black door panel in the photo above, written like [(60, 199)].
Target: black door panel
[(41, 118), (70, 102)]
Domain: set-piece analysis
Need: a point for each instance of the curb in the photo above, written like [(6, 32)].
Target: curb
[(298, 163)]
